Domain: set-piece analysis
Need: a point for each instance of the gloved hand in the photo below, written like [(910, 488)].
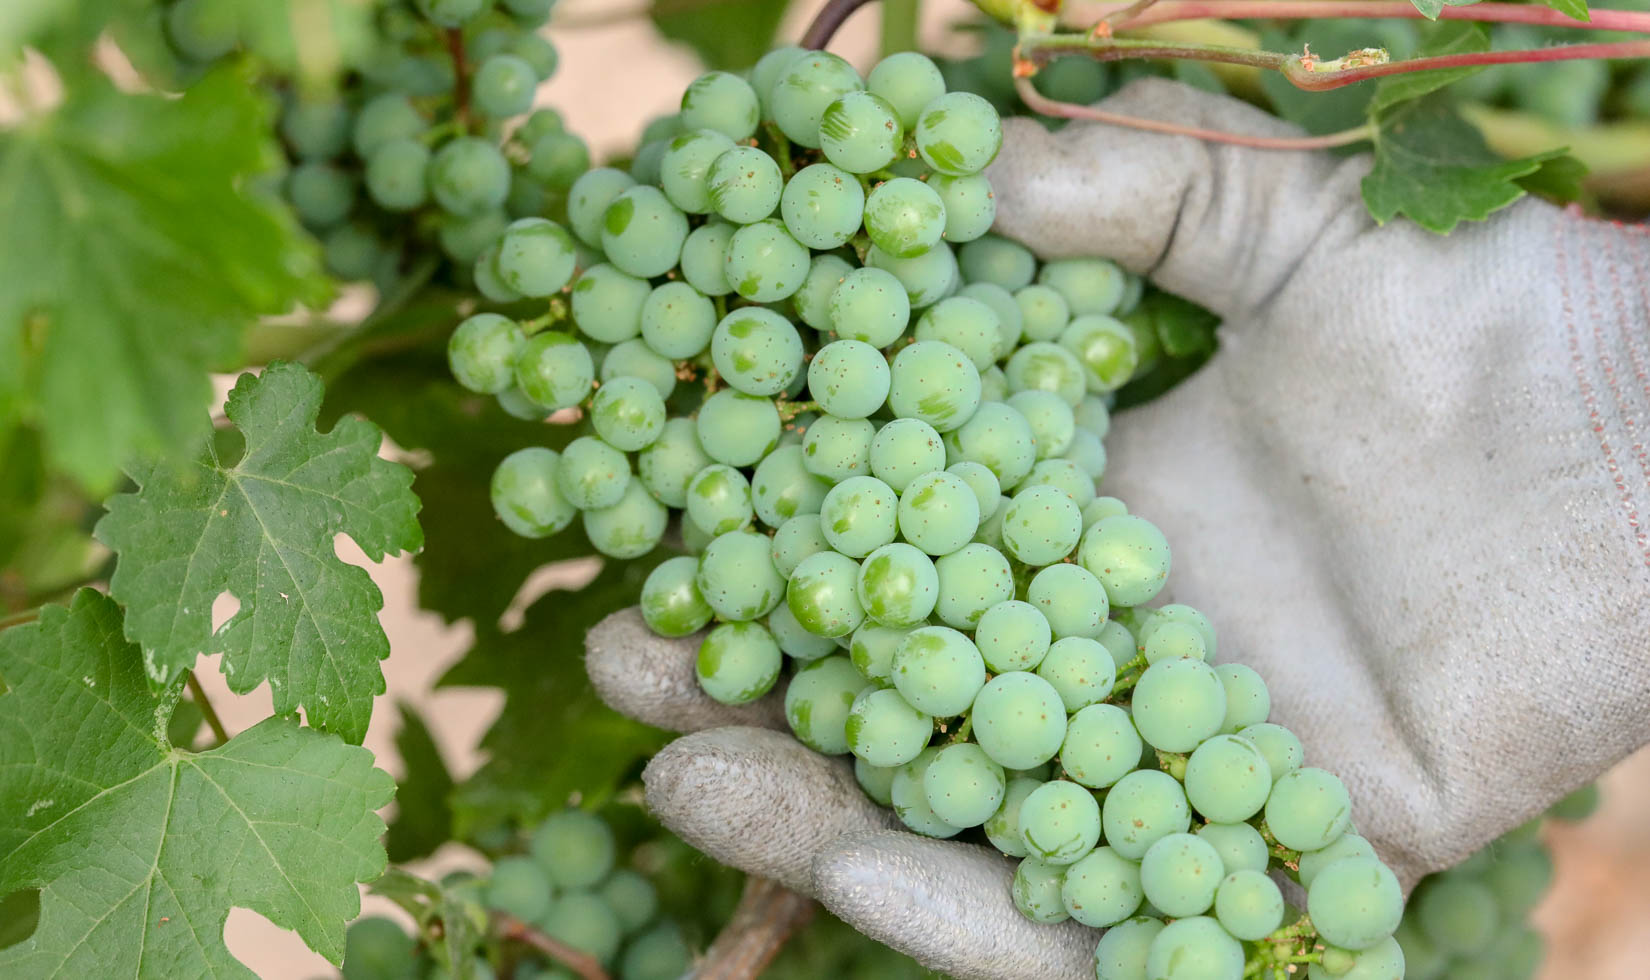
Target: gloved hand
[(1411, 490)]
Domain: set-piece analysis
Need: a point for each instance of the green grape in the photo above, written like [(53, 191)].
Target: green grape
[(764, 263), (1180, 873), (1066, 477), (1076, 80), (904, 217), (482, 351), (465, 239), (203, 30), (574, 847), (525, 494), (1059, 822), (376, 948), (420, 75), (1080, 669), (817, 703), (999, 261), (719, 499), (1123, 949), (1101, 746), (536, 257), (898, 586), (1010, 322), (1101, 508), (870, 305), (911, 801), (503, 86), (1041, 526), (938, 512), (558, 159), (795, 639), (1129, 556), (958, 133), (1578, 805), (1457, 914), (1089, 285), (520, 406), (320, 193), (1348, 845), (518, 886), (1048, 367), (1141, 808), (351, 251), (783, 488), (632, 898), (991, 529), (803, 90), (1282, 750), (823, 594), (1003, 827), (1105, 348), (795, 540), (592, 474), (554, 370), (1240, 846), (644, 166), (876, 781), (1308, 808), (588, 199), (665, 127), (1248, 905), (671, 603), (1037, 891), (859, 515), (938, 671), (1117, 640), (704, 258), (1195, 948), (736, 428), (973, 578), (756, 350), (969, 204), (1247, 700), (1050, 418), (908, 81), (966, 324), (316, 130), (633, 358), (1519, 952), (684, 170), (1422, 960), (822, 206), (1177, 704), (998, 437), (1174, 641), (1355, 903), (981, 481), (860, 132), (469, 176), (539, 122), (630, 528), (883, 730), (964, 787), (658, 954), (1386, 960), (585, 922), (927, 279), (737, 576), (677, 320), (1093, 415), (1012, 635), (812, 301), (934, 382), (744, 185), (1071, 599), (768, 70), (1520, 879), (738, 662), (538, 52), (382, 120), (1044, 313), (1185, 615), (487, 282), (872, 650), (1227, 779), (722, 102), (1019, 720), (836, 448), (642, 232), (396, 174), (451, 13), (905, 449)]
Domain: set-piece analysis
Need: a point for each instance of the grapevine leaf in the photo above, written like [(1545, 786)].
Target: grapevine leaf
[(1449, 37), (1559, 179), (1433, 166), (137, 261), (262, 530), (1430, 9), (463, 921), (1573, 9), (423, 820), (140, 849), (729, 35), (539, 757)]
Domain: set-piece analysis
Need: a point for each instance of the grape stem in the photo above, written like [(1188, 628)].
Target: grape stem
[(964, 730), (827, 22), (461, 76), (1167, 11), (781, 149), (767, 916), (580, 962), (198, 695)]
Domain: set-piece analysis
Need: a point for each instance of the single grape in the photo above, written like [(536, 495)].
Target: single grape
[(980, 480), (737, 576), (684, 170), (1019, 720), (997, 260), (998, 437), (585, 922), (525, 494), (736, 428), (482, 351), (203, 30), (705, 258), (1059, 822), (993, 384), (537, 51), (1195, 948), (719, 499), (782, 488), (1089, 286), (870, 305), (1041, 526), (671, 603), (677, 320), (1050, 418), (927, 279), (632, 898), (904, 217), (964, 787), (1010, 322), (756, 350), (588, 199), (744, 185), (320, 193), (1240, 846), (1043, 312), (812, 301), (1012, 635), (1180, 873), (574, 847), (859, 515), (970, 206), (1386, 960), (644, 166), (722, 102), (518, 886), (1174, 641), (910, 801), (670, 463), (764, 263), (554, 370), (936, 383), (1249, 905), (1037, 891), (958, 133), (938, 512), (1080, 669), (973, 578), (469, 176), (884, 730), (536, 257), (559, 159), (1227, 779), (1141, 808), (1117, 640), (1100, 746), (451, 13), (396, 174), (1348, 845), (966, 324), (1129, 556), (795, 540), (823, 594), (376, 949), (809, 83), (1102, 889), (938, 671), (385, 119), (872, 650), (1247, 700), (630, 528), (352, 251), (1457, 913), (836, 448), (1283, 751), (642, 232), (1179, 703), (898, 586), (1101, 508), (794, 639), (1105, 348), (738, 662), (1520, 878), (905, 449), (1176, 612), (1308, 809), (860, 132), (822, 206), (503, 86), (818, 700), (876, 781), (1124, 948), (1047, 367), (1355, 903), (1071, 598), (909, 81)]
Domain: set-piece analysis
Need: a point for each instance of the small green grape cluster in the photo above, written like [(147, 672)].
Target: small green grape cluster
[(566, 886), (1471, 922)]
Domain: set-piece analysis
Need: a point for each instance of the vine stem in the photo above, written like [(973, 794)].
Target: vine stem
[(1166, 11), (899, 26), (198, 694), (1297, 71), (461, 75), (580, 962), (827, 21), (766, 917)]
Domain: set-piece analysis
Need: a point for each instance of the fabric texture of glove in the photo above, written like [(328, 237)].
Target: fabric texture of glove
[(1410, 490)]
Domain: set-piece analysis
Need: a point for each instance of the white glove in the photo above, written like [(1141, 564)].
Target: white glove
[(1411, 490)]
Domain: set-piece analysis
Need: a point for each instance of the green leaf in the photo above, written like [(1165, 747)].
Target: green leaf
[(423, 820), (729, 35), (262, 530), (1319, 112), (1573, 9), (141, 849), (1449, 37), (1432, 166), (1559, 179), (1430, 9), (136, 260), (554, 736)]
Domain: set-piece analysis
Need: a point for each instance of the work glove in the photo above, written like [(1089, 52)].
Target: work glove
[(1412, 490)]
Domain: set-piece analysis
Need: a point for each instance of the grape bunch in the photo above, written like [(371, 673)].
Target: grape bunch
[(567, 886), (1471, 922)]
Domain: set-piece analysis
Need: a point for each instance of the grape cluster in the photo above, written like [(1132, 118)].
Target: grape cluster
[(1471, 922), (568, 887)]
